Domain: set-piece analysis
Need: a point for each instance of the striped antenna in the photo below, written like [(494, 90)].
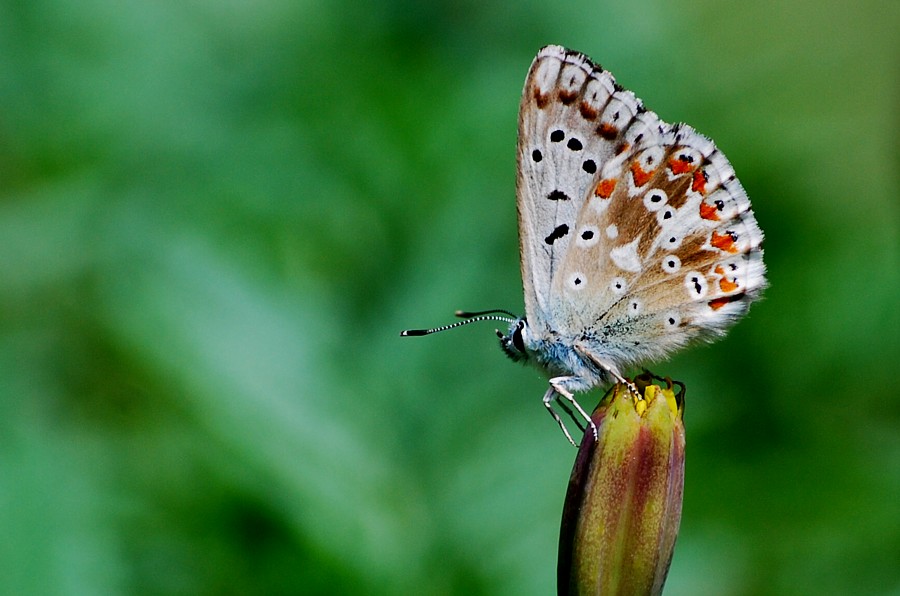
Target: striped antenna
[(471, 317)]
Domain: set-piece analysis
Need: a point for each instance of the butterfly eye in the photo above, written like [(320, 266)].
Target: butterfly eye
[(517, 340)]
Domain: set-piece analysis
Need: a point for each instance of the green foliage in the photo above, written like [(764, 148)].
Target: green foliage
[(216, 217)]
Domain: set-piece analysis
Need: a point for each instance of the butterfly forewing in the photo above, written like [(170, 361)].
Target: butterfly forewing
[(558, 161), (634, 233)]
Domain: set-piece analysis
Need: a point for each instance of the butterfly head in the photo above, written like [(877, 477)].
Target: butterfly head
[(513, 342)]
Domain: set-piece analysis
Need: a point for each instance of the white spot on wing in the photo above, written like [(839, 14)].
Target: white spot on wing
[(577, 281), (696, 285), (546, 74), (666, 216), (587, 236), (625, 257), (672, 320), (671, 263), (634, 307), (655, 200), (599, 204)]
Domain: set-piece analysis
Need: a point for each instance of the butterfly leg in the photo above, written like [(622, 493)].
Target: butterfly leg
[(571, 415), (557, 388), (610, 370), (549, 398)]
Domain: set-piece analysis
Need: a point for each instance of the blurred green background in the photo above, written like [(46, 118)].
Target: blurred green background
[(215, 217)]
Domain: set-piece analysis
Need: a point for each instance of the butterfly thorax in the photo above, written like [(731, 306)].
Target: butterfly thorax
[(553, 353)]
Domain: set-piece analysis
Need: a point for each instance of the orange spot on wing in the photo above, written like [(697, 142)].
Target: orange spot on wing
[(727, 285), (708, 212), (679, 167), (719, 270), (699, 183), (607, 131), (605, 188), (566, 96), (717, 303), (723, 242), (640, 176), (588, 111), (540, 98)]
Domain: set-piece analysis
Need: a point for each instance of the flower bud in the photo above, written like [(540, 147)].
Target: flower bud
[(623, 505)]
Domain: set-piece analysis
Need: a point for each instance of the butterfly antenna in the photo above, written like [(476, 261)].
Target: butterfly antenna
[(487, 315), (468, 315)]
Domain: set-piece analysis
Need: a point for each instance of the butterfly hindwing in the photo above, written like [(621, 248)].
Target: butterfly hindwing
[(687, 251)]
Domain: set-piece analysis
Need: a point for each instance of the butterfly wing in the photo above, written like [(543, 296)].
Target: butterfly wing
[(660, 247), (557, 164), (681, 250)]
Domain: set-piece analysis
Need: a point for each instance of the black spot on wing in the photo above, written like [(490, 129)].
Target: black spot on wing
[(558, 195), (560, 231)]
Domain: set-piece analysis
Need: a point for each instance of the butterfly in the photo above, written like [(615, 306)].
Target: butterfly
[(635, 236)]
